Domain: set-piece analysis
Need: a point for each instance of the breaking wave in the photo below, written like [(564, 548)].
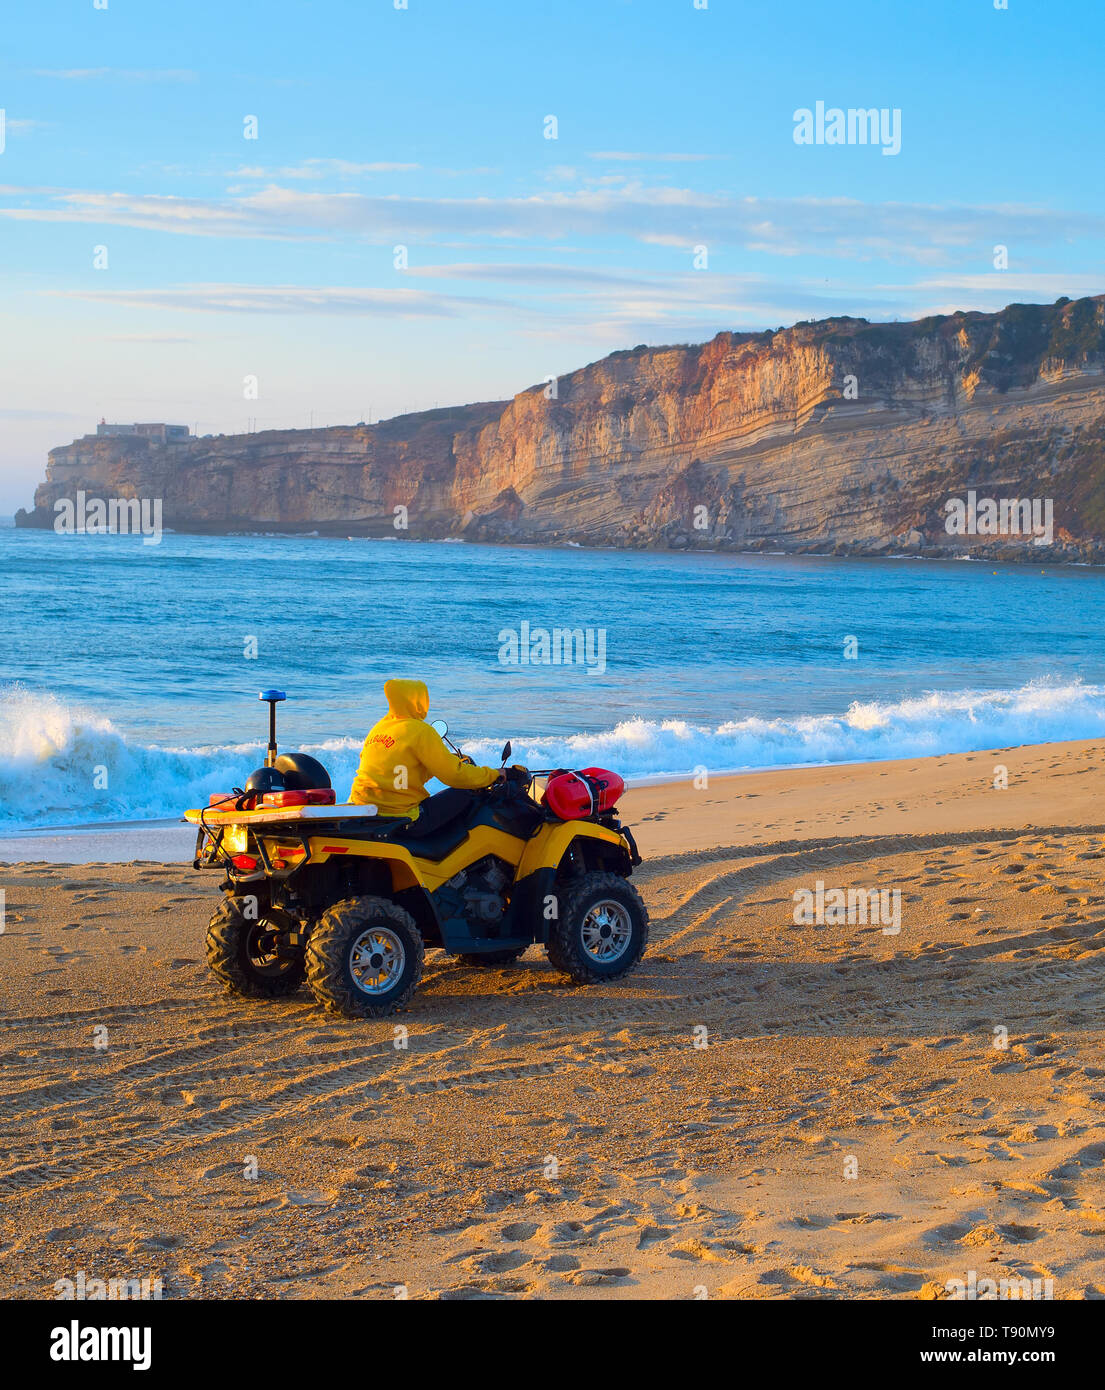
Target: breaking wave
[(63, 765)]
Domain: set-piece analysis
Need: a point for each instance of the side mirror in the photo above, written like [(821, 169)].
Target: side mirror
[(506, 750), (440, 727)]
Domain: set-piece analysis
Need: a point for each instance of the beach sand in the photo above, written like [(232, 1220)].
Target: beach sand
[(762, 1110)]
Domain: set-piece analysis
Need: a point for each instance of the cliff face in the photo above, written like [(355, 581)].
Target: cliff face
[(837, 435)]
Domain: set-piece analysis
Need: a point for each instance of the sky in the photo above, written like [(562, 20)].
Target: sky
[(404, 233)]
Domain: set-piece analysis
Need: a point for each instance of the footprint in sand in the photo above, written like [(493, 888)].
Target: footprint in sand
[(519, 1231), (559, 1264), (590, 1278), (498, 1262), (63, 956)]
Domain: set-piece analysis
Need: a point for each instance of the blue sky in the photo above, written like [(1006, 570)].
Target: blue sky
[(425, 127)]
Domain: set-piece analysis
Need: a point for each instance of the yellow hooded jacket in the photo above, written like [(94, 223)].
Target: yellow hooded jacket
[(402, 752)]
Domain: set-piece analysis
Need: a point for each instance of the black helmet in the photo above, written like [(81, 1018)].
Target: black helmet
[(265, 779), (301, 772)]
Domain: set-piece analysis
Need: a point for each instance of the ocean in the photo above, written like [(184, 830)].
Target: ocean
[(129, 673)]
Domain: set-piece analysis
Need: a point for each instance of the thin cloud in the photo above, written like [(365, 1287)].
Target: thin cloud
[(287, 299), (638, 157), (319, 168), (1008, 283), (606, 308), (678, 218), (160, 338), (24, 125), (123, 74), (466, 173), (520, 273)]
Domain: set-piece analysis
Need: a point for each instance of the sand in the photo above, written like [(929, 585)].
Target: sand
[(764, 1110)]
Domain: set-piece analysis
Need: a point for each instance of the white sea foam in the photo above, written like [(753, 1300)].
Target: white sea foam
[(63, 765)]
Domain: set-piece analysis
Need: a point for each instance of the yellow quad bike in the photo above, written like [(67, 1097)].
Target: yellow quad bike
[(349, 900)]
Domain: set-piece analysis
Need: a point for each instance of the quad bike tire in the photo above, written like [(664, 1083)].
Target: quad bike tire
[(506, 957), (601, 930), (364, 958), (237, 955)]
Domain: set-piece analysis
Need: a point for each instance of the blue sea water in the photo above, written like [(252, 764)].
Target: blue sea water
[(126, 691)]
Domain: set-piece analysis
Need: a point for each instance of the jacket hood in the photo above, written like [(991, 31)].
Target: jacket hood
[(407, 699)]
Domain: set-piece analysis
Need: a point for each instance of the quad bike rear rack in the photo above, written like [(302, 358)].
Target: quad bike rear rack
[(211, 821)]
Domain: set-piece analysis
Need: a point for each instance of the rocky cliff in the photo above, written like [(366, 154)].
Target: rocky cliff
[(838, 435)]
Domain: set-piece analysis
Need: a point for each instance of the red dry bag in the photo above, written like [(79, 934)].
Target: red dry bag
[(589, 792)]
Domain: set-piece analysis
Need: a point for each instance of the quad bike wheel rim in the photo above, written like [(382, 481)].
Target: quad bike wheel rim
[(263, 950), (607, 931), (376, 960)]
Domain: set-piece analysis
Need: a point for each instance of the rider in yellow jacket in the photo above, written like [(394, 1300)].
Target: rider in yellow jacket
[(402, 752)]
